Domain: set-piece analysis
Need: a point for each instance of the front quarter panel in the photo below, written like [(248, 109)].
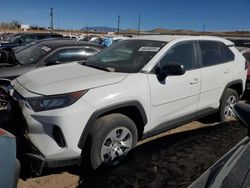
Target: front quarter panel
[(135, 87)]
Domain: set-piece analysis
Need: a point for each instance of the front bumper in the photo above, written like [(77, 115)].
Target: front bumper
[(52, 135)]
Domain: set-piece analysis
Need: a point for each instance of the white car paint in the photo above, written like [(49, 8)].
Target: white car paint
[(179, 97)]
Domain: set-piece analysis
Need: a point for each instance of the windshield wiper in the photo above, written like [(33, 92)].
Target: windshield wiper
[(107, 69)]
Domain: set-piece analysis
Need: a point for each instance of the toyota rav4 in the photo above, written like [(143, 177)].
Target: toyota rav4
[(132, 90)]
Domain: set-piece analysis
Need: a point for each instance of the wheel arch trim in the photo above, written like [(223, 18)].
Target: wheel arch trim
[(229, 85), (99, 112)]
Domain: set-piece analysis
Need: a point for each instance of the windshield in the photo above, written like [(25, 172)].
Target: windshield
[(33, 54), (127, 56), (14, 39)]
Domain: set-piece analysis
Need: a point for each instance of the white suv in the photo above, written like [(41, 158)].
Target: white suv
[(134, 89)]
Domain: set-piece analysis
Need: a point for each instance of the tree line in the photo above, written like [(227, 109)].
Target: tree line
[(14, 24)]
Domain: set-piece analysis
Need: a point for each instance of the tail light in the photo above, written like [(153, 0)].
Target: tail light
[(2, 132)]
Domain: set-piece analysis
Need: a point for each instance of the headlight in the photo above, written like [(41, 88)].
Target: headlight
[(53, 102)]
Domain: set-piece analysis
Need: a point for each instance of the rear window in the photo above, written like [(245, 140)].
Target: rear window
[(228, 54), (214, 53)]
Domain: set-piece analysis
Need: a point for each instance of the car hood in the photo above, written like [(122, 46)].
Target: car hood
[(67, 78)]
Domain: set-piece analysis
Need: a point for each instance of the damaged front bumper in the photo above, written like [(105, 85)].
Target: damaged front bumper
[(27, 152)]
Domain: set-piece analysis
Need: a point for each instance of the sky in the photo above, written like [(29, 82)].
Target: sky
[(216, 15)]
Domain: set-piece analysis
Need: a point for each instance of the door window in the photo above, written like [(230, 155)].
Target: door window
[(182, 53), (27, 38), (66, 55), (211, 53)]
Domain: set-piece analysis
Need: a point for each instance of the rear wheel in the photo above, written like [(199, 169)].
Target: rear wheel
[(230, 98), (112, 138)]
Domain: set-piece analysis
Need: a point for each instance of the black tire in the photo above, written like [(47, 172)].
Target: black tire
[(100, 133), (4, 96), (226, 98)]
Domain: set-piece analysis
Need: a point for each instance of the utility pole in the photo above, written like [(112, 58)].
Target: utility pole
[(139, 25), (204, 27), (51, 19), (87, 29), (118, 25)]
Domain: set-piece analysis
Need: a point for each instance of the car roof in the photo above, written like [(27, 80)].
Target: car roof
[(169, 38), (38, 34), (58, 43)]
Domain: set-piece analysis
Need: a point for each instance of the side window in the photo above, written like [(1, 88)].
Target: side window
[(65, 55), (27, 38), (40, 37), (211, 53), (228, 54), (182, 53)]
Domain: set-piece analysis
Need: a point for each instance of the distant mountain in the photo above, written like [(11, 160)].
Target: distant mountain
[(100, 28), (168, 31)]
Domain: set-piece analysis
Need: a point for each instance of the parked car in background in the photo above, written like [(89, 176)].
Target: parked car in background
[(72, 37), (46, 53), (84, 38), (131, 90), (42, 53), (21, 39), (108, 41), (240, 41), (2, 36), (97, 40), (5, 36), (9, 165), (246, 54), (233, 169)]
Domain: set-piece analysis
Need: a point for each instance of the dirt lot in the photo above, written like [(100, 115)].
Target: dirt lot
[(173, 159)]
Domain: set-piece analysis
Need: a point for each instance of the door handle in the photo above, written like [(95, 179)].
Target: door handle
[(194, 81), (226, 71)]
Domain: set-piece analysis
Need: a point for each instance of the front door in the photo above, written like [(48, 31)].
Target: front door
[(175, 100)]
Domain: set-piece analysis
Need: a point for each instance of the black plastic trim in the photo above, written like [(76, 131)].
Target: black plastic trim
[(99, 112), (168, 125), (5, 81), (231, 84)]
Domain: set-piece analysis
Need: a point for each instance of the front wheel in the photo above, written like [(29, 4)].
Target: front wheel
[(112, 138), (230, 98), (4, 97)]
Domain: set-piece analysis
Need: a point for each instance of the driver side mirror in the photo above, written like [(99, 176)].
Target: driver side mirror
[(20, 41), (170, 69)]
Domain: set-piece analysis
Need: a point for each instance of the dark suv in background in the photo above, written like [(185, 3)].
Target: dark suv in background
[(21, 39)]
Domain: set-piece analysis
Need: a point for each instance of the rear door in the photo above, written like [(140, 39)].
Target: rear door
[(216, 71)]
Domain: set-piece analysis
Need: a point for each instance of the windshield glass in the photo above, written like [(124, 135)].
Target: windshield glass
[(33, 54), (127, 56), (14, 39)]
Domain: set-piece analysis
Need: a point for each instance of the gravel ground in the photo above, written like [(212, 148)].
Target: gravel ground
[(173, 160)]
